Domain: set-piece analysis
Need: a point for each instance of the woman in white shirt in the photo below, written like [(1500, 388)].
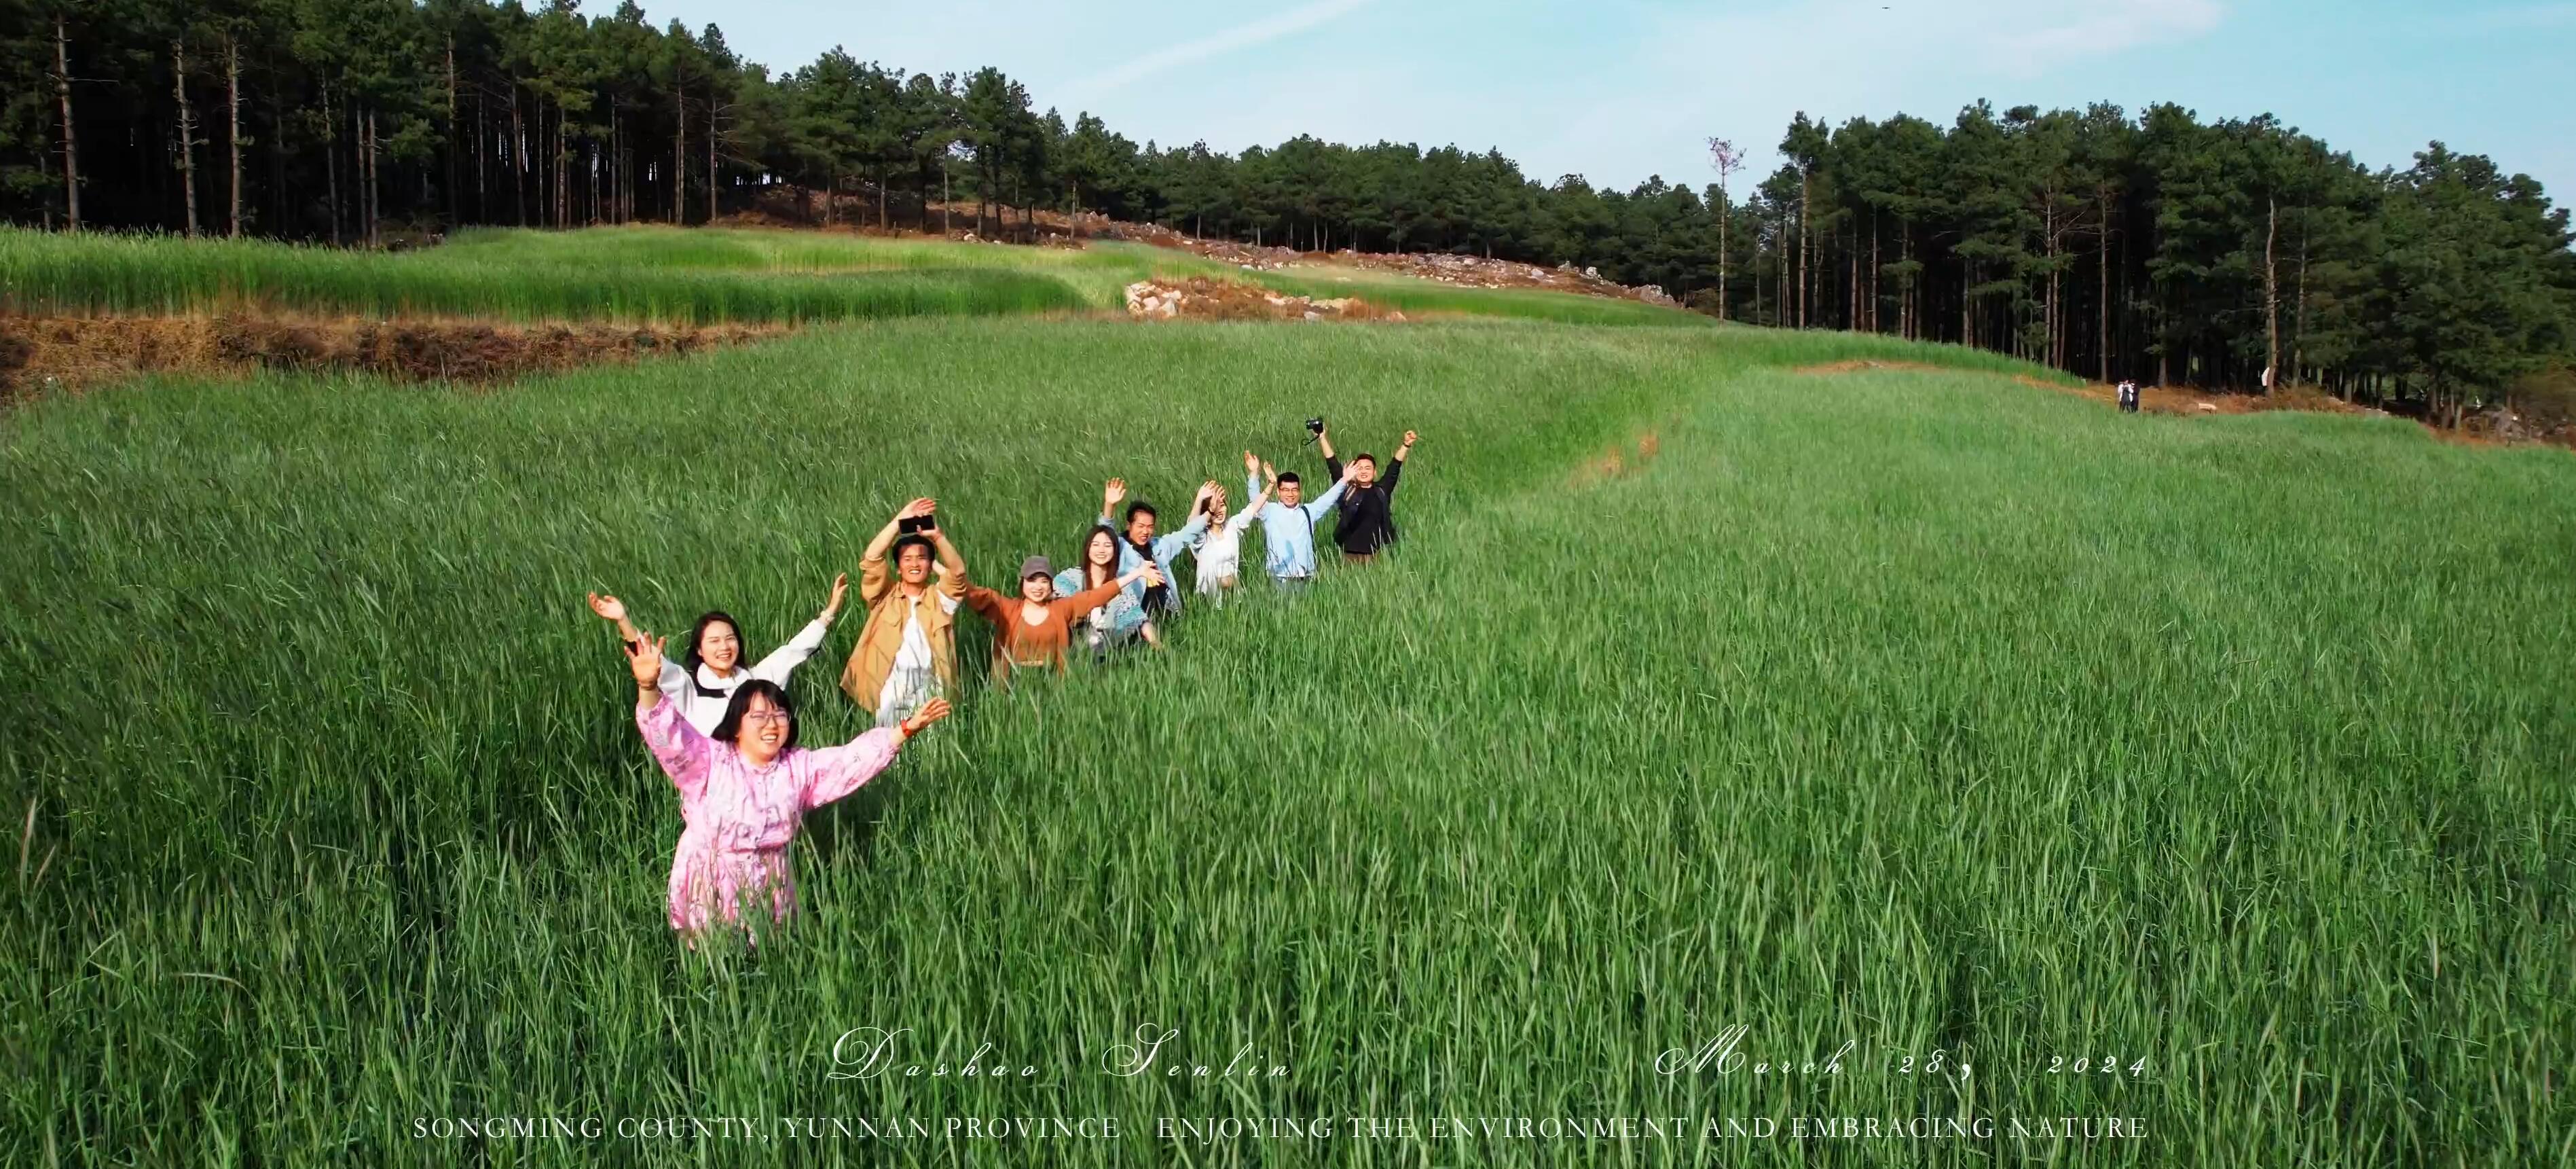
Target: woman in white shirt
[(1220, 551), (704, 684)]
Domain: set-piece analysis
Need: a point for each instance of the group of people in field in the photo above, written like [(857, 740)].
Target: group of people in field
[(726, 733)]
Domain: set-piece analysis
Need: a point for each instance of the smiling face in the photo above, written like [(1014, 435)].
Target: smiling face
[(1140, 527), (719, 646), (1037, 588), (913, 564), (1291, 492), (763, 732), (1103, 552), (1363, 471)]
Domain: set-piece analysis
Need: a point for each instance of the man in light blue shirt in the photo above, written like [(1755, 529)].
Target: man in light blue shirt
[(1287, 523)]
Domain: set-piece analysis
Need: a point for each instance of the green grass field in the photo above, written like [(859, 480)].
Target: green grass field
[(670, 275), (1919, 711)]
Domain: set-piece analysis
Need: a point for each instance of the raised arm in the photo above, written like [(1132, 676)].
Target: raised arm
[(783, 661), (952, 580), (1251, 511), (1170, 544), (1110, 497), (610, 608), (683, 753), (833, 772), (1330, 497), (1082, 603), (874, 581), (1252, 480), (1324, 440), (1395, 470), (985, 602), (674, 676)]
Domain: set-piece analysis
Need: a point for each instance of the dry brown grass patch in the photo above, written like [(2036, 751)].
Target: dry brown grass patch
[(41, 353)]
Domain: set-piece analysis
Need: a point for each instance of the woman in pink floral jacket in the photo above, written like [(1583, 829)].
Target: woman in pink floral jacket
[(745, 791)]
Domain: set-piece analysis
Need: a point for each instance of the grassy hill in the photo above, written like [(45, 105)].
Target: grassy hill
[(670, 275), (1916, 710)]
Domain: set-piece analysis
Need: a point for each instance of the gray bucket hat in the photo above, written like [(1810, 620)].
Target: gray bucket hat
[(1036, 566)]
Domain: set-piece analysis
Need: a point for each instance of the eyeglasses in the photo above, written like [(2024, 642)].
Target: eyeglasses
[(766, 716)]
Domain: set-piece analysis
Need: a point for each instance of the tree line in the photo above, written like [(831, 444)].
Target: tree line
[(2159, 246)]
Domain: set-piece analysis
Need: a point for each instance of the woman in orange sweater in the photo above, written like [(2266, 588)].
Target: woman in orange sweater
[(1032, 629)]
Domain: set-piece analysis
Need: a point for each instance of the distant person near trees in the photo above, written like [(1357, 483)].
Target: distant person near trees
[(1031, 630), (907, 654), (1142, 546), (745, 789), (1368, 508), (700, 686), (1288, 522), (2128, 397), (1220, 552)]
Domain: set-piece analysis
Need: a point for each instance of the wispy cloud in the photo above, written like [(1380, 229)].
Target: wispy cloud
[(2093, 29), (1242, 36)]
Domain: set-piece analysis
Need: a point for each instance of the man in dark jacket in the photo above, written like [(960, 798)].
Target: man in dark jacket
[(1368, 507)]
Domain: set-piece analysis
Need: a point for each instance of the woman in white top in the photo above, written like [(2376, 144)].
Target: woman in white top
[(1220, 551), (705, 683)]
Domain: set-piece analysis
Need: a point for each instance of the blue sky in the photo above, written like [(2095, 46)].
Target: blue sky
[(1616, 90)]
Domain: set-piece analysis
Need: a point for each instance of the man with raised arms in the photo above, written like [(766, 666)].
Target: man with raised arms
[(1288, 521)]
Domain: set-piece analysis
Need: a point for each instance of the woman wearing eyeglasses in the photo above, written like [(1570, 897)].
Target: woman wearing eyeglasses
[(744, 791)]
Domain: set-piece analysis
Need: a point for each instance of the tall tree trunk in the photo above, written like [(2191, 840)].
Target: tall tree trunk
[(331, 163), (453, 211), (711, 158), (1852, 295), (71, 142), (375, 202), (518, 160), (232, 89), (482, 142), (1806, 244), (1722, 257), (2271, 297), (2102, 266), (680, 154), (187, 132), (1780, 314), (2299, 322), (1967, 303)]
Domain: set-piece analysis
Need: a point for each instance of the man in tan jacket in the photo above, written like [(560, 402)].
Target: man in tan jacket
[(907, 653)]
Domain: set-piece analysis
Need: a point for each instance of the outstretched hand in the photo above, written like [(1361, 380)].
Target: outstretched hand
[(1269, 474), (918, 508), (1408, 438), (1250, 464), (609, 608), (644, 657), (930, 712), (840, 589), (1111, 494)]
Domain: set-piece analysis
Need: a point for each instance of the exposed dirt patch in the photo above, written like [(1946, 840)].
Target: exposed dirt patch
[(1620, 461), (41, 353), (1200, 298), (1858, 366), (855, 211)]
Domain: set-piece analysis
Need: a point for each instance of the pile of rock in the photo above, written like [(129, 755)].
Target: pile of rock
[(1206, 299)]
